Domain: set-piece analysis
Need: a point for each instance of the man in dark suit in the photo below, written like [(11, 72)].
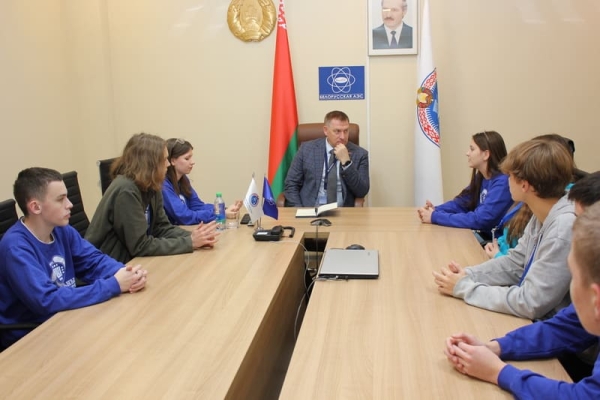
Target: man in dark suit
[(393, 33), (316, 177)]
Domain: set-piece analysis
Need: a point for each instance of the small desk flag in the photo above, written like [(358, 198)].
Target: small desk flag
[(252, 202), (269, 204)]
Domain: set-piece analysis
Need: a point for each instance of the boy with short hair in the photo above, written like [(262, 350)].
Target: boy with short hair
[(532, 280), (573, 330), (41, 255)]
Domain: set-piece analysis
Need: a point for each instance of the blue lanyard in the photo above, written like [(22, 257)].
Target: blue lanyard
[(530, 261), (328, 169), (506, 217), (510, 214)]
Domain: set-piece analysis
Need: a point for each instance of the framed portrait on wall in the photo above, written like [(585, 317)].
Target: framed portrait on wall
[(393, 27)]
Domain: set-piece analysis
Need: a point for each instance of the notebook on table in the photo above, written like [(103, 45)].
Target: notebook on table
[(350, 264), (315, 211)]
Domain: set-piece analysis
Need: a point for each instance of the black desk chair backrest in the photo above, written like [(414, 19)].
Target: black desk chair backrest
[(8, 215), (105, 177), (79, 219)]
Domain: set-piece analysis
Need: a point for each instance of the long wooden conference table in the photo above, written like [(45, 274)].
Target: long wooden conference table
[(222, 323)]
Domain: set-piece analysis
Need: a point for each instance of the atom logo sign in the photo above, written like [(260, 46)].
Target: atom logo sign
[(341, 83), (341, 80)]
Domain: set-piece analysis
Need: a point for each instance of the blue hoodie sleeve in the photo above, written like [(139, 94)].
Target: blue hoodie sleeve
[(486, 215), (207, 211), (559, 334), (525, 384), (562, 333), (90, 264), (31, 284), (180, 213), (456, 205)]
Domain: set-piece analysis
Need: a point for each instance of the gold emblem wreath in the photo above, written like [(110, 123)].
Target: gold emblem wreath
[(251, 20)]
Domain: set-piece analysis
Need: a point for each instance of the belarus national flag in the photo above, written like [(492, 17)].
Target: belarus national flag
[(428, 165), (284, 116)]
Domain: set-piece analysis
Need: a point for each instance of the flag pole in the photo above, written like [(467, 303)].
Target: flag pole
[(258, 222), (252, 202)]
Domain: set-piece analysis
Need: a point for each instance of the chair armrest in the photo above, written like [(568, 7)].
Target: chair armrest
[(28, 326), (18, 327)]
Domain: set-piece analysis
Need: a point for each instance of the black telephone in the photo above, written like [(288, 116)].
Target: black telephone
[(272, 235)]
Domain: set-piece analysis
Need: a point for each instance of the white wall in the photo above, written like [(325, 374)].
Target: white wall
[(35, 90), (523, 68), (80, 77)]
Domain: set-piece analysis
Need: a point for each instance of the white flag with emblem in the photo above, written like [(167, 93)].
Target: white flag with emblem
[(427, 157), (252, 202)]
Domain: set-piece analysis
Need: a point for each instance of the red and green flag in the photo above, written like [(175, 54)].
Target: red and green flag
[(284, 115)]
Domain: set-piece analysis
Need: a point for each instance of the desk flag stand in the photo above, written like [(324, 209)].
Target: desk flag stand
[(257, 208)]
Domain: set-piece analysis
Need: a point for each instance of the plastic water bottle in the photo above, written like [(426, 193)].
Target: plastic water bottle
[(220, 211)]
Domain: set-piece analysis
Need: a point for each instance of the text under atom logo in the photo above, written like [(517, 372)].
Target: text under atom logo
[(254, 199), (341, 80)]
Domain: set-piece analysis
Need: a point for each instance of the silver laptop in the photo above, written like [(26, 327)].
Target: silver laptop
[(350, 264)]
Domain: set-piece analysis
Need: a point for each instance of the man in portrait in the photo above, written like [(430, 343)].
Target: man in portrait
[(393, 33)]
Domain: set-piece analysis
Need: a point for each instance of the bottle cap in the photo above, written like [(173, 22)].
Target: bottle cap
[(219, 194)]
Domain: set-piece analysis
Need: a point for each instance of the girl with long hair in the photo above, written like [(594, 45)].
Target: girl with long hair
[(130, 220), (481, 205), (181, 202)]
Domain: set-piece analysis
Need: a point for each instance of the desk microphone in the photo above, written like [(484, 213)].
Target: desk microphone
[(320, 222)]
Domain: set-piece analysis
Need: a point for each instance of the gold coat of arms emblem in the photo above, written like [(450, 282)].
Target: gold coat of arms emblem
[(251, 20)]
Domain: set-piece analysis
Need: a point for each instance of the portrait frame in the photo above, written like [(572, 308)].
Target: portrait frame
[(378, 37)]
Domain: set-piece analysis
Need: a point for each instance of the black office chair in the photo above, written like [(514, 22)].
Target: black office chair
[(105, 177), (8, 215), (577, 173), (79, 219), (569, 144), (17, 327)]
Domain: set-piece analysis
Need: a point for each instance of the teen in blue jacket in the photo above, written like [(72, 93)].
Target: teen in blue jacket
[(562, 334), (572, 330), (182, 209), (482, 204), (181, 202), (41, 255)]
